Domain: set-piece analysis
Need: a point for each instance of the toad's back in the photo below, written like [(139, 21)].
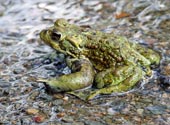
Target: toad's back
[(108, 50)]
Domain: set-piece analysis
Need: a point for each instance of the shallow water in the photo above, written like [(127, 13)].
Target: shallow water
[(22, 61)]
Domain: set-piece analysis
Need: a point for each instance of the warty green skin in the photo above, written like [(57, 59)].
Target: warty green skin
[(108, 61)]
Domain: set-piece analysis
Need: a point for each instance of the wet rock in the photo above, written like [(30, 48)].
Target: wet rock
[(137, 119), (2, 67), (25, 54), (166, 69), (66, 70), (165, 83), (18, 71), (47, 61), (93, 123), (140, 111), (65, 98), (33, 95), (118, 105), (32, 111), (57, 102), (38, 118), (77, 123), (27, 65), (1, 55), (2, 9), (4, 88), (49, 67), (58, 109), (60, 65), (156, 109), (67, 119), (111, 111), (61, 114), (34, 63), (4, 84), (45, 97), (26, 121), (6, 61), (52, 73)]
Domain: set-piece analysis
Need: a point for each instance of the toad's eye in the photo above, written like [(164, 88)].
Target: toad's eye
[(56, 35)]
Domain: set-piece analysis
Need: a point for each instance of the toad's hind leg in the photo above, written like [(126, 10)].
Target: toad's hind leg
[(126, 83), (82, 76), (148, 53)]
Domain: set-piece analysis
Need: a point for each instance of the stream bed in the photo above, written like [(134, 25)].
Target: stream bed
[(23, 101)]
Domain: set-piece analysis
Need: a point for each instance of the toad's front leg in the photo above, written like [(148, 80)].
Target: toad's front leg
[(82, 76)]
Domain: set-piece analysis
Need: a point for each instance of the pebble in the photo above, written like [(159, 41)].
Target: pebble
[(67, 119), (32, 111), (45, 96), (93, 123), (47, 61), (166, 70), (65, 98), (165, 83), (110, 111), (25, 53), (140, 111), (61, 114), (138, 119), (18, 71), (157, 110), (58, 102), (38, 118), (4, 84)]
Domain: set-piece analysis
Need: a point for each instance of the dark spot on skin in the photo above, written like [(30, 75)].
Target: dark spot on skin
[(94, 33)]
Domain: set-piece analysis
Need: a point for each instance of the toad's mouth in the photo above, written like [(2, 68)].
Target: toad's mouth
[(44, 36), (43, 33)]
